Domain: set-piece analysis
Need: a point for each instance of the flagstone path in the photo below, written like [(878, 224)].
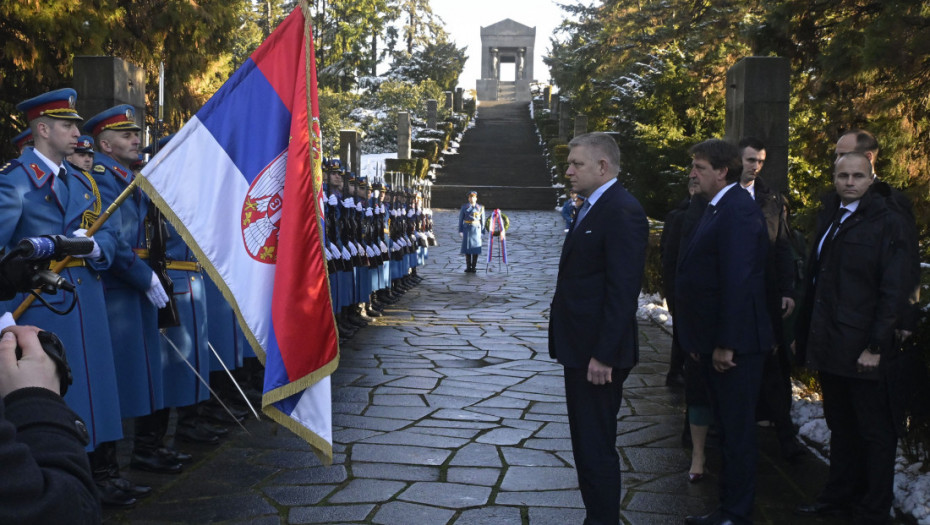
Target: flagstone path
[(448, 410)]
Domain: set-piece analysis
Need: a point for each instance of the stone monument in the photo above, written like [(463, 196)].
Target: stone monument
[(506, 42)]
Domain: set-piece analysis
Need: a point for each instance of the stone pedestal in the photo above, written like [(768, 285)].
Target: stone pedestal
[(554, 104), (566, 123), (457, 99), (403, 135), (581, 125), (103, 82), (547, 92), (487, 89), (448, 101), (349, 152), (758, 91), (432, 112)]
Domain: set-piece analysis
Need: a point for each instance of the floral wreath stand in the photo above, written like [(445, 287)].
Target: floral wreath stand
[(497, 225)]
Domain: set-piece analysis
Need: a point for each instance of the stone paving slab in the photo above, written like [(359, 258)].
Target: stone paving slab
[(448, 410)]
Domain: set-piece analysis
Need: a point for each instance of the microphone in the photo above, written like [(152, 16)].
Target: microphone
[(53, 247)]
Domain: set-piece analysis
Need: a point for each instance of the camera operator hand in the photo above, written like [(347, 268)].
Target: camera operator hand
[(35, 368), (95, 253)]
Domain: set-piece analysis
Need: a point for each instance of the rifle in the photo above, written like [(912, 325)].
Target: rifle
[(158, 257)]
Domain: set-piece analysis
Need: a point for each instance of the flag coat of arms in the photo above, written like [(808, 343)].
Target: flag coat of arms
[(240, 182)]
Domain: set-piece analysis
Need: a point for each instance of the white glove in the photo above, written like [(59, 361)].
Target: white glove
[(95, 253), (368, 212), (461, 234), (352, 249), (360, 248), (7, 320), (156, 293), (333, 200), (358, 206), (369, 252), (326, 253), (410, 213), (345, 254), (383, 246), (335, 250), (375, 250), (348, 203), (381, 208)]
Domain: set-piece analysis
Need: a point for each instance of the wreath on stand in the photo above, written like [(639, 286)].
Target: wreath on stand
[(496, 232)]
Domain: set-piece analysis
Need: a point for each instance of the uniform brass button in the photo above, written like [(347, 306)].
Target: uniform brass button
[(48, 198), (79, 280), (193, 278), (82, 430)]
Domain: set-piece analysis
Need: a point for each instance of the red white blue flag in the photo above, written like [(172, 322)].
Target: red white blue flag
[(240, 182)]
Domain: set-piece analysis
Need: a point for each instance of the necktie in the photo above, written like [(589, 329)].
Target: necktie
[(583, 211), (831, 232), (60, 187)]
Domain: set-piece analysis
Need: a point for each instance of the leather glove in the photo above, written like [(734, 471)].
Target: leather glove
[(95, 253), (156, 293)]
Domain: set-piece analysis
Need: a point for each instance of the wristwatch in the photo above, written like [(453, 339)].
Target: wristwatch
[(874, 349)]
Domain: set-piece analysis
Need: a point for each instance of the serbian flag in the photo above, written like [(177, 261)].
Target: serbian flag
[(240, 182)]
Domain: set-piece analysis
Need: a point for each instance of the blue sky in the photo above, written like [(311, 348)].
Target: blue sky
[(465, 18)]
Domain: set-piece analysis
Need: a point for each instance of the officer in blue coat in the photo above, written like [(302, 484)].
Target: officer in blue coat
[(133, 291), (83, 157), (42, 194), (471, 223), (22, 140)]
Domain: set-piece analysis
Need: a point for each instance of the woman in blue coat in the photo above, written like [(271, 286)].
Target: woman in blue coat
[(471, 221)]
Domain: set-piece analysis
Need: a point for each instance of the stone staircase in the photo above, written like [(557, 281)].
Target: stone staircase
[(501, 159), (507, 92)]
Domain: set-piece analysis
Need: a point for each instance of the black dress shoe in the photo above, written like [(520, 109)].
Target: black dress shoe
[(819, 508), (136, 491), (152, 461), (113, 497), (216, 412), (193, 433), (371, 312), (174, 455)]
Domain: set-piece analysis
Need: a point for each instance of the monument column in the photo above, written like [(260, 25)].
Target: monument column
[(403, 135)]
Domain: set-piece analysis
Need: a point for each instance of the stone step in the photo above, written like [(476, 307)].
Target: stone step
[(504, 197)]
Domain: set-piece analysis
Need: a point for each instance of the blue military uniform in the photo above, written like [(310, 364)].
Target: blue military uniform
[(182, 387), (133, 318), (35, 201), (471, 221)]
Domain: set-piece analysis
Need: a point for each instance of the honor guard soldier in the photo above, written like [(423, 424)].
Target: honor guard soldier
[(133, 291), (83, 157), (41, 194), (471, 223), (23, 140)]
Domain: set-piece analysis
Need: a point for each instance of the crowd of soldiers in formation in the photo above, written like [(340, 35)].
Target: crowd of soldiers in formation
[(148, 332), (376, 236)]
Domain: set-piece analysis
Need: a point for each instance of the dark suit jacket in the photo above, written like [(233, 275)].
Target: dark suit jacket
[(720, 284), (861, 284), (593, 312)]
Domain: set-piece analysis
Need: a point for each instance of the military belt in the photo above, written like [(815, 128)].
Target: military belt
[(73, 263), (184, 266)]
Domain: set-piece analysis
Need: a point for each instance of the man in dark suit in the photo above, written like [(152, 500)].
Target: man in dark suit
[(775, 393), (592, 325), (858, 282), (722, 317)]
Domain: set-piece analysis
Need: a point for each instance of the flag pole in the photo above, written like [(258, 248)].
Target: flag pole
[(62, 264)]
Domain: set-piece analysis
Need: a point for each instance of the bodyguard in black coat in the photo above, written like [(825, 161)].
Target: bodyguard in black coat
[(44, 473), (592, 326), (858, 282)]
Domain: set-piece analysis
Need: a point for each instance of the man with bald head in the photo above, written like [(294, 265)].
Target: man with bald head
[(857, 282)]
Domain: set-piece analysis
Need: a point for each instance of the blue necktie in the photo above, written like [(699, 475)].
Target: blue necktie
[(584, 211)]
